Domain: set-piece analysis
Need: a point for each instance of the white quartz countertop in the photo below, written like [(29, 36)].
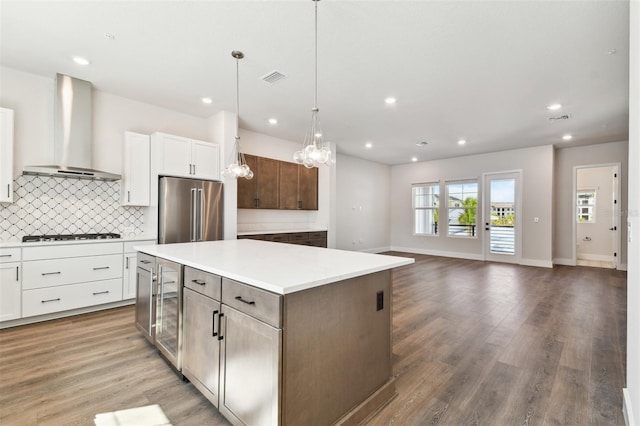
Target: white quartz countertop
[(276, 267)]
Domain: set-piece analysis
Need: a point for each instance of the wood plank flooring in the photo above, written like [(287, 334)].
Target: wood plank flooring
[(475, 343)]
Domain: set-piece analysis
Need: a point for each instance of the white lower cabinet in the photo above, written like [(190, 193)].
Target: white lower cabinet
[(47, 300), (10, 291)]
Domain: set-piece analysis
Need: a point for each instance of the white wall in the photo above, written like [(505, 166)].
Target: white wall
[(362, 205), (259, 220), (537, 186), (31, 97), (632, 392), (565, 161)]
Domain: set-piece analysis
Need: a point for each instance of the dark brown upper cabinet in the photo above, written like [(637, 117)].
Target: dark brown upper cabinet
[(261, 192), (278, 185)]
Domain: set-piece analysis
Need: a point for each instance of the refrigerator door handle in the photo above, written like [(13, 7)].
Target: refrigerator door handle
[(200, 213), (192, 215)]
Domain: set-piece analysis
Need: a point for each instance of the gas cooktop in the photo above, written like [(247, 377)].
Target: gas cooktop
[(69, 237)]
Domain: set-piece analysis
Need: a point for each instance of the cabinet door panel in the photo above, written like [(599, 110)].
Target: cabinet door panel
[(176, 156), (129, 276), (205, 158), (250, 369), (200, 345), (10, 291), (308, 188), (6, 155), (288, 186), (248, 189), (268, 183), (135, 170)]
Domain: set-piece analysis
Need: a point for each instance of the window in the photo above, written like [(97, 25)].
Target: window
[(586, 203), (462, 206), (426, 201)]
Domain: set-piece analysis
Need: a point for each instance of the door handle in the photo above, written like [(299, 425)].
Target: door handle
[(220, 336), (200, 213), (213, 321), (194, 204)]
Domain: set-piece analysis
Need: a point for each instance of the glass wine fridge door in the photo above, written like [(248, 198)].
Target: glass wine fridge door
[(169, 311)]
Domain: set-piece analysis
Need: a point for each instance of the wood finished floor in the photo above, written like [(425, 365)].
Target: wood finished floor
[(474, 343)]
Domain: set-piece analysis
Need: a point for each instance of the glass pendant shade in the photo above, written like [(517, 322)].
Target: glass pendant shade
[(315, 150), (238, 167)]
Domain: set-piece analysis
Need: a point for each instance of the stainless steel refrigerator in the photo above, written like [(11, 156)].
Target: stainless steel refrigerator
[(189, 210)]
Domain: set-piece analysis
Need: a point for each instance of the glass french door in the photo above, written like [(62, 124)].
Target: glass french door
[(502, 217)]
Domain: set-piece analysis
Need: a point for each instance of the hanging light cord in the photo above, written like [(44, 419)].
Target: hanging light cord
[(315, 99)]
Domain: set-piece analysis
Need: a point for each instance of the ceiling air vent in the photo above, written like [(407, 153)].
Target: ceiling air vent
[(560, 117), (273, 77)]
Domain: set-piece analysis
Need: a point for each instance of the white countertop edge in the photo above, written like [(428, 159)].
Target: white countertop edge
[(389, 262)]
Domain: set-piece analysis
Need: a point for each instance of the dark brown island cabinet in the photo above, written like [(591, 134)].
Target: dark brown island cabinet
[(312, 238)]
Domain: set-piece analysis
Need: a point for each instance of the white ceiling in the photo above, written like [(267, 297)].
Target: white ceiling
[(479, 70)]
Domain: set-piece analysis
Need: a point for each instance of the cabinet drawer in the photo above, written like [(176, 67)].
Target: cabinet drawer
[(203, 282), (146, 261), (10, 254), (278, 238), (318, 235), (54, 272), (71, 250), (54, 299), (253, 301), (299, 236)]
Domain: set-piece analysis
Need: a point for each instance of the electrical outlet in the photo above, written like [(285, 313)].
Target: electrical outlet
[(379, 300)]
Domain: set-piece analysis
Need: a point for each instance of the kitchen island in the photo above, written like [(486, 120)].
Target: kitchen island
[(283, 334)]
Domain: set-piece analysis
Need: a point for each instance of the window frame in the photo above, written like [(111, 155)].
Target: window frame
[(476, 208), (588, 209), (435, 209)]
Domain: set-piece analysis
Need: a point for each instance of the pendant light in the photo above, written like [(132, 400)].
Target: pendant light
[(315, 150), (238, 166)]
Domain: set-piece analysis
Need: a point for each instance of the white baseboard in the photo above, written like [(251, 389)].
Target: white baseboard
[(537, 262), (564, 261), (376, 250), (596, 257), (626, 408), (456, 255)]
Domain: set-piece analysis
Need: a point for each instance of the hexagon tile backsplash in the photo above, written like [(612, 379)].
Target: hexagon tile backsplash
[(51, 205)]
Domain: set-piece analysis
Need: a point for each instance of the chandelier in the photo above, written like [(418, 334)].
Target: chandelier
[(238, 166), (315, 150)]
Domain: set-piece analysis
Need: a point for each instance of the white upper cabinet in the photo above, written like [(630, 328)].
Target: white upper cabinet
[(6, 155), (186, 157), (136, 157)]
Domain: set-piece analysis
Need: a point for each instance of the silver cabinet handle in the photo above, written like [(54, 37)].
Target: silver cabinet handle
[(194, 169), (51, 300), (17, 273), (6, 255), (97, 268), (8, 190), (101, 292), (128, 196), (50, 273), (145, 262)]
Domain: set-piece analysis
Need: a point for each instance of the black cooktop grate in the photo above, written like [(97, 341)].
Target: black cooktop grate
[(69, 237)]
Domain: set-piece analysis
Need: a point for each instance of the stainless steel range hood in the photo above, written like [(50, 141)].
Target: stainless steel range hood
[(72, 142)]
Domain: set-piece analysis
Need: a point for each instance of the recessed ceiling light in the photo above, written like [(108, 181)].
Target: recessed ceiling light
[(80, 60), (554, 107), (422, 143), (567, 137), (273, 121), (414, 159), (461, 142), (390, 100), (368, 145), (611, 52), (207, 101)]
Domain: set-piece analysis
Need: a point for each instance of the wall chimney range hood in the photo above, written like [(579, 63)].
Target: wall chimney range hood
[(72, 133)]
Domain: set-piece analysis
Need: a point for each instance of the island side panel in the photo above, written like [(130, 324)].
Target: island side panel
[(337, 348)]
